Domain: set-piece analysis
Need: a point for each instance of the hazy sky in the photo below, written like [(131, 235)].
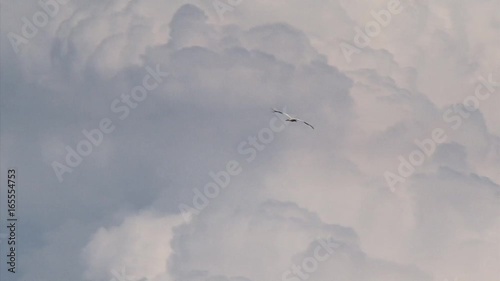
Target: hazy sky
[(146, 147)]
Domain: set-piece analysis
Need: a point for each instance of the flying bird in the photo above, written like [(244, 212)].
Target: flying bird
[(292, 119)]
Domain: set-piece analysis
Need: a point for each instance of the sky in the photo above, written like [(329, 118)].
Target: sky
[(145, 146)]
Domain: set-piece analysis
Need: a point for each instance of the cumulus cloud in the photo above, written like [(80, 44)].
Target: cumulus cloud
[(118, 212), (139, 247)]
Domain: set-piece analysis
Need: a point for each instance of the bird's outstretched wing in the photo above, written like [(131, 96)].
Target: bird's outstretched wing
[(306, 123), (281, 112)]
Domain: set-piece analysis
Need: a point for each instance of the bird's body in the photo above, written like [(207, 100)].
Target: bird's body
[(292, 119)]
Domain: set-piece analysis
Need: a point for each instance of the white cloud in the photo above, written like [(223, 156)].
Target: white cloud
[(140, 246), (119, 210)]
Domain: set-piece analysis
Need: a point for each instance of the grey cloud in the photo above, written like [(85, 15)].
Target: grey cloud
[(224, 78)]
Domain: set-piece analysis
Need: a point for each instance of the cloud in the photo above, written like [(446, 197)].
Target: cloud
[(140, 246), (119, 210)]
